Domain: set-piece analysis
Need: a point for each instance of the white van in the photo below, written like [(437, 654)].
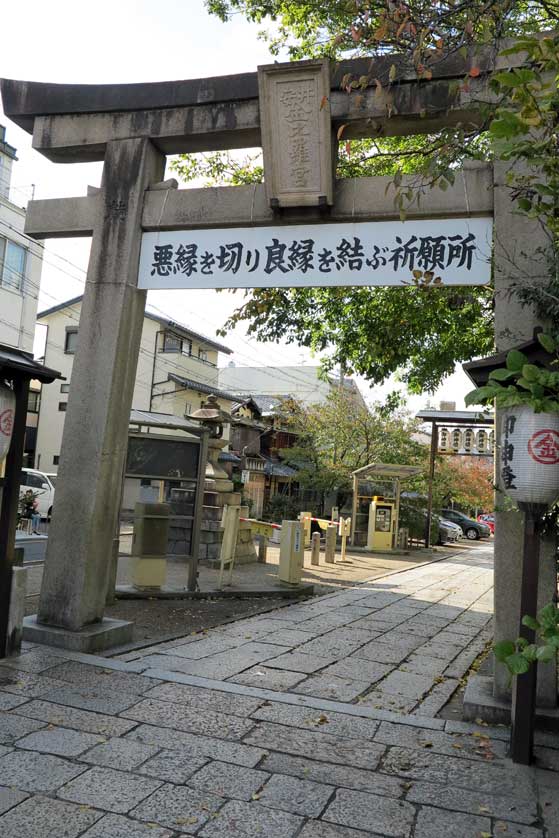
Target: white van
[(41, 484)]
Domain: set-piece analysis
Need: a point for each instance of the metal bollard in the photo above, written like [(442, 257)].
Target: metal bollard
[(149, 545), (291, 553), (315, 549), (330, 551)]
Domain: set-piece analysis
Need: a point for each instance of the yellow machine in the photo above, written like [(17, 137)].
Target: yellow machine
[(382, 522)]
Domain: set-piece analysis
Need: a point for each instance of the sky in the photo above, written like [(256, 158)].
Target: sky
[(138, 41)]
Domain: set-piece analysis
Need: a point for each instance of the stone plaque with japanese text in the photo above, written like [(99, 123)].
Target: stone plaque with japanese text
[(296, 133)]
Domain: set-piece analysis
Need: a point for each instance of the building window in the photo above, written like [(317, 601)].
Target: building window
[(62, 406), (12, 264), (55, 459), (64, 388), (174, 343), (34, 401), (171, 342), (203, 355), (188, 409), (71, 342)]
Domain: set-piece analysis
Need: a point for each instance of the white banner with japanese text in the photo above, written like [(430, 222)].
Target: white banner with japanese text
[(428, 252)]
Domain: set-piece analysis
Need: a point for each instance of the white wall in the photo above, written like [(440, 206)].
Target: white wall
[(18, 309), (51, 419)]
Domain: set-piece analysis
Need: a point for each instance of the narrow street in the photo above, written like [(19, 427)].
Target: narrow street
[(316, 720)]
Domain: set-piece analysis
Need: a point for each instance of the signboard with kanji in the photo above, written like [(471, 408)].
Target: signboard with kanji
[(434, 252)]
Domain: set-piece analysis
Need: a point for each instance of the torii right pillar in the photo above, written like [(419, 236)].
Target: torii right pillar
[(521, 255)]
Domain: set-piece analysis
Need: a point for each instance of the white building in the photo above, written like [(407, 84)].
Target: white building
[(20, 263), (177, 370), (303, 384)]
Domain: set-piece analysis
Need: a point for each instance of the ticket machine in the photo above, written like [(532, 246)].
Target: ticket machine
[(382, 521)]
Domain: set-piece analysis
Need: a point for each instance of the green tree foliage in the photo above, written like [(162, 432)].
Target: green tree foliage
[(339, 436), (420, 333)]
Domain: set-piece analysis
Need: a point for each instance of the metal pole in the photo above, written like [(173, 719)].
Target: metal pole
[(8, 507), (434, 448), (524, 688)]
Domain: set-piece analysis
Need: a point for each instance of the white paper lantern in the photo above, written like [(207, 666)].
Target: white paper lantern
[(7, 416), (529, 455)]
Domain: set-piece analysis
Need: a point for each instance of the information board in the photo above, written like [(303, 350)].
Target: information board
[(441, 251)]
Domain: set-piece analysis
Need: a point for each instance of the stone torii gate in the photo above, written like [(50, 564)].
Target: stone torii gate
[(132, 128)]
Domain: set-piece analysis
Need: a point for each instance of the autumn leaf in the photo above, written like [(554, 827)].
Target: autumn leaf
[(348, 148), (323, 102), (341, 130), (474, 72)]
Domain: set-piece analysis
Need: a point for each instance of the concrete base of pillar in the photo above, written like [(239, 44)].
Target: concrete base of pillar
[(17, 610), (93, 638), (480, 703), (274, 589)]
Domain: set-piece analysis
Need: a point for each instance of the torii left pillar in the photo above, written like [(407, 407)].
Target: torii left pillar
[(78, 561)]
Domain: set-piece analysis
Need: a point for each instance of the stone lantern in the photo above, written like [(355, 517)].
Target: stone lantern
[(218, 490), (212, 417)]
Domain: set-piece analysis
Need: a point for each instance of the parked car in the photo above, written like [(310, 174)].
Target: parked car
[(473, 530), (453, 531), (488, 519), (42, 485)]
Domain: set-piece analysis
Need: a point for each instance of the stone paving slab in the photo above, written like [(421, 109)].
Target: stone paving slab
[(323, 746), (95, 699), (179, 808), (30, 771), (349, 642), (14, 727), (174, 766), (504, 806), (269, 679), (182, 717), (291, 794), (201, 746), (229, 780), (60, 741), (42, 817), (337, 724), (9, 701), (117, 826), (333, 687), (343, 776), (298, 765), (221, 702), (86, 720), (106, 788), (392, 818), (26, 683), (434, 823), (123, 754), (10, 797), (251, 820), (100, 677)]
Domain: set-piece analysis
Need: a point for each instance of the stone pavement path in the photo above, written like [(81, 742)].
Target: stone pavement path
[(399, 643), (101, 748)]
